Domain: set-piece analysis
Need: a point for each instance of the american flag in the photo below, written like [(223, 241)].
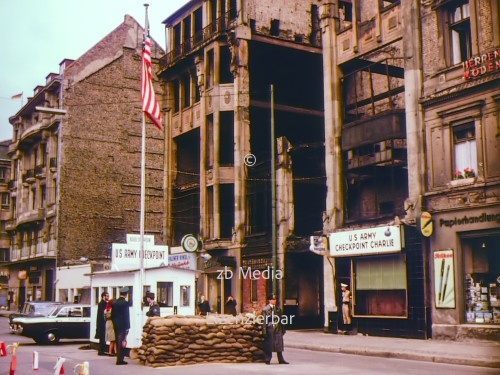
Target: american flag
[(150, 104)]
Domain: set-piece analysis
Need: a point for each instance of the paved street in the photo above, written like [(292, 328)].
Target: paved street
[(302, 362)]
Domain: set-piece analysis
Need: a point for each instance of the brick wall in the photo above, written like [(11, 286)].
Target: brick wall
[(101, 149)]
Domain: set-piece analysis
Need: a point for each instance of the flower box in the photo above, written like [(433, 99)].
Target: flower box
[(462, 182)]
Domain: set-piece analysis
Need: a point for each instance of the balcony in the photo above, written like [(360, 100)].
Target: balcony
[(196, 41), (29, 176), (388, 125), (40, 171), (33, 216)]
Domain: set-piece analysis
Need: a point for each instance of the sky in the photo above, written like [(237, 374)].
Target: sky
[(37, 35)]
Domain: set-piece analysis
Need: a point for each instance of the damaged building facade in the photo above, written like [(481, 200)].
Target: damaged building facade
[(375, 104), (412, 145), (223, 57), (373, 167)]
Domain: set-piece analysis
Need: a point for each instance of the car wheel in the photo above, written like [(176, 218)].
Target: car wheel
[(50, 337)]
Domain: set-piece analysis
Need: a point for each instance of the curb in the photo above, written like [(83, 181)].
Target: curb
[(478, 362)]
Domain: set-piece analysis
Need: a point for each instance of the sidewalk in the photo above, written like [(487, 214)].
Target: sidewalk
[(473, 353)]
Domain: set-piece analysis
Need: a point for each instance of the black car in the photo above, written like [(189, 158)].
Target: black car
[(31, 309), (68, 321)]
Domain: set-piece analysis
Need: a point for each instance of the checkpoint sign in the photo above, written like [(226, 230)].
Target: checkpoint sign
[(426, 224)]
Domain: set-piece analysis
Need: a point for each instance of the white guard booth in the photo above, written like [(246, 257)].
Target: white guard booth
[(174, 287)]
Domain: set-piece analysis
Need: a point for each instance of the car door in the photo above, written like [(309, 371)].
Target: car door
[(79, 320)]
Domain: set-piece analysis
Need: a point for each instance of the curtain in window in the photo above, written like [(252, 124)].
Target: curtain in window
[(465, 155)]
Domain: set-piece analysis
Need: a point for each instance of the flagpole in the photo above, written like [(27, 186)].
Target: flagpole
[(142, 275)]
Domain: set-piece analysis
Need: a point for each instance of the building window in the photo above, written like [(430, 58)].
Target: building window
[(275, 27), (226, 139), (465, 153), (185, 295), (210, 69), (253, 290), (186, 85), (5, 201), (33, 198), (460, 31), (165, 294), (3, 174), (43, 154), (177, 95), (43, 195), (380, 286), (345, 14)]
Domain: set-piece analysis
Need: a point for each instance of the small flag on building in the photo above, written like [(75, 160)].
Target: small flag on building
[(150, 104), (17, 96)]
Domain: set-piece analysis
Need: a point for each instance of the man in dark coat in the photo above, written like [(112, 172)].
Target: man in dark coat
[(100, 331), (230, 307), (203, 306), (120, 315), (273, 331), (154, 308)]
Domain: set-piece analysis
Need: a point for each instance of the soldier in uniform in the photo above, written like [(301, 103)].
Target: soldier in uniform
[(346, 304), (154, 308)]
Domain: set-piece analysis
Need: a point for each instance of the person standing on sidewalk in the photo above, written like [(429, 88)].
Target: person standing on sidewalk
[(120, 315), (273, 331), (100, 331), (346, 304)]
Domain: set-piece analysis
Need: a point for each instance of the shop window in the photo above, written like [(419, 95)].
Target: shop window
[(465, 153), (482, 284), (165, 294), (460, 31), (185, 295), (380, 286)]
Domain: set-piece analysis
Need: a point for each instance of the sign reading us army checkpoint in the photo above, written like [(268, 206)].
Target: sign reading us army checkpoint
[(386, 239), (128, 256)]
